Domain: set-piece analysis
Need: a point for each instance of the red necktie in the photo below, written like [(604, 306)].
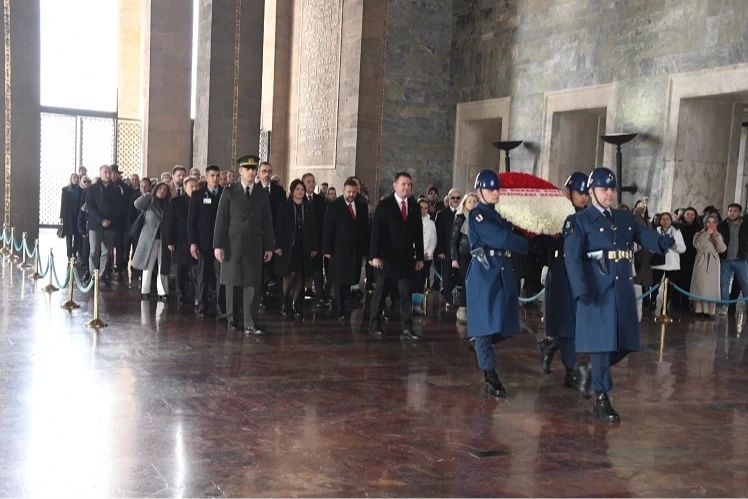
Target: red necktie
[(403, 211), (350, 208)]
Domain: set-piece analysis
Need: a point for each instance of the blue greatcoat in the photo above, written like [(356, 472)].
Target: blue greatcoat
[(560, 306), (492, 295), (606, 318)]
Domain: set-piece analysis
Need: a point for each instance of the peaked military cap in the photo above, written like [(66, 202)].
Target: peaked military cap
[(249, 161)]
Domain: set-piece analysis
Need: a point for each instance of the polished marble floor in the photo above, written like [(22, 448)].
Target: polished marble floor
[(161, 404)]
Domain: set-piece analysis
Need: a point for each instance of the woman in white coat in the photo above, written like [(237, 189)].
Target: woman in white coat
[(429, 245), (671, 265)]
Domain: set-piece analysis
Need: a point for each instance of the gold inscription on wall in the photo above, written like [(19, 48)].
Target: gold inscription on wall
[(319, 83)]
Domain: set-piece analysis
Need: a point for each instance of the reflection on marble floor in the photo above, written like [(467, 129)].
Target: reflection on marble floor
[(161, 404)]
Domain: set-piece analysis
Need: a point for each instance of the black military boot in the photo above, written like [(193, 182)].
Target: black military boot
[(493, 384), (286, 307), (570, 380), (547, 347), (581, 373), (604, 409)]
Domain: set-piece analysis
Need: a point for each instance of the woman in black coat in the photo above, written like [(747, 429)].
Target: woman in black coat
[(295, 246), (175, 237), (689, 226), (70, 203), (458, 242)]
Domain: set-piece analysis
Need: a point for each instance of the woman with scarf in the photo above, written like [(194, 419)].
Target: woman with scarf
[(671, 265), (705, 281)]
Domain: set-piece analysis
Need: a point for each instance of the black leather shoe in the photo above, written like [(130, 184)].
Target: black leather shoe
[(570, 380), (296, 308), (604, 409), (144, 296), (547, 347), (200, 314), (220, 316), (286, 307), (584, 379), (377, 330), (163, 297), (254, 331), (234, 325), (342, 316), (471, 345), (410, 334), (493, 384)]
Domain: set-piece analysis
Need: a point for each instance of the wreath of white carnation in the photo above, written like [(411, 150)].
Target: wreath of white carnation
[(538, 211)]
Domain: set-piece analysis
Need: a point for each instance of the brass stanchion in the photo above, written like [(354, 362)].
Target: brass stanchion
[(664, 318), (12, 257), (96, 323), (36, 275), (50, 288), (24, 264), (662, 341), (425, 297), (4, 251), (70, 304)]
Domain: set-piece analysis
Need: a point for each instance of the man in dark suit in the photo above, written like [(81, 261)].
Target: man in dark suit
[(277, 196), (444, 219), (345, 242), (201, 222), (396, 252), (242, 240), (319, 204)]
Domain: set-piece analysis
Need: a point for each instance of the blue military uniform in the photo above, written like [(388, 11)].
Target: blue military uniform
[(492, 295), (560, 306), (598, 251)]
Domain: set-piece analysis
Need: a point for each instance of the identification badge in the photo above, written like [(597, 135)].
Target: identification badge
[(479, 218), (207, 201)]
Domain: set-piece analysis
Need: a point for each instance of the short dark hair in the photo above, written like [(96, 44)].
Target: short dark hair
[(177, 168), (324, 183), (263, 163), (350, 182), (307, 174), (212, 168), (402, 174), (331, 188), (294, 183), (735, 205), (190, 179), (146, 179)]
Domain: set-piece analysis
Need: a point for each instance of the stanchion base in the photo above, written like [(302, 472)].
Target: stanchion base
[(664, 319), (50, 288), (35, 276), (95, 324), (12, 258), (70, 305), (24, 265)]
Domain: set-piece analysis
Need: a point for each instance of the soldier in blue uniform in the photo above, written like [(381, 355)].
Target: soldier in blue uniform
[(560, 307), (598, 249), (493, 314)]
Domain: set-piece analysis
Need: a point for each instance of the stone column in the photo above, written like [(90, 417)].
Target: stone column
[(128, 60), (227, 112), (166, 33), (25, 123)]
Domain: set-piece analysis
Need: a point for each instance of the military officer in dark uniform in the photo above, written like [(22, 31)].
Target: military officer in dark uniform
[(243, 238), (598, 247), (490, 284), (560, 308)]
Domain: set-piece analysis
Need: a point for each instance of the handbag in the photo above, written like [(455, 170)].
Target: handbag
[(657, 259), (60, 232), (137, 226)]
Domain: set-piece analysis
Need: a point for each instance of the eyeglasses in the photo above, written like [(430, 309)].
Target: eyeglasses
[(456, 198)]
